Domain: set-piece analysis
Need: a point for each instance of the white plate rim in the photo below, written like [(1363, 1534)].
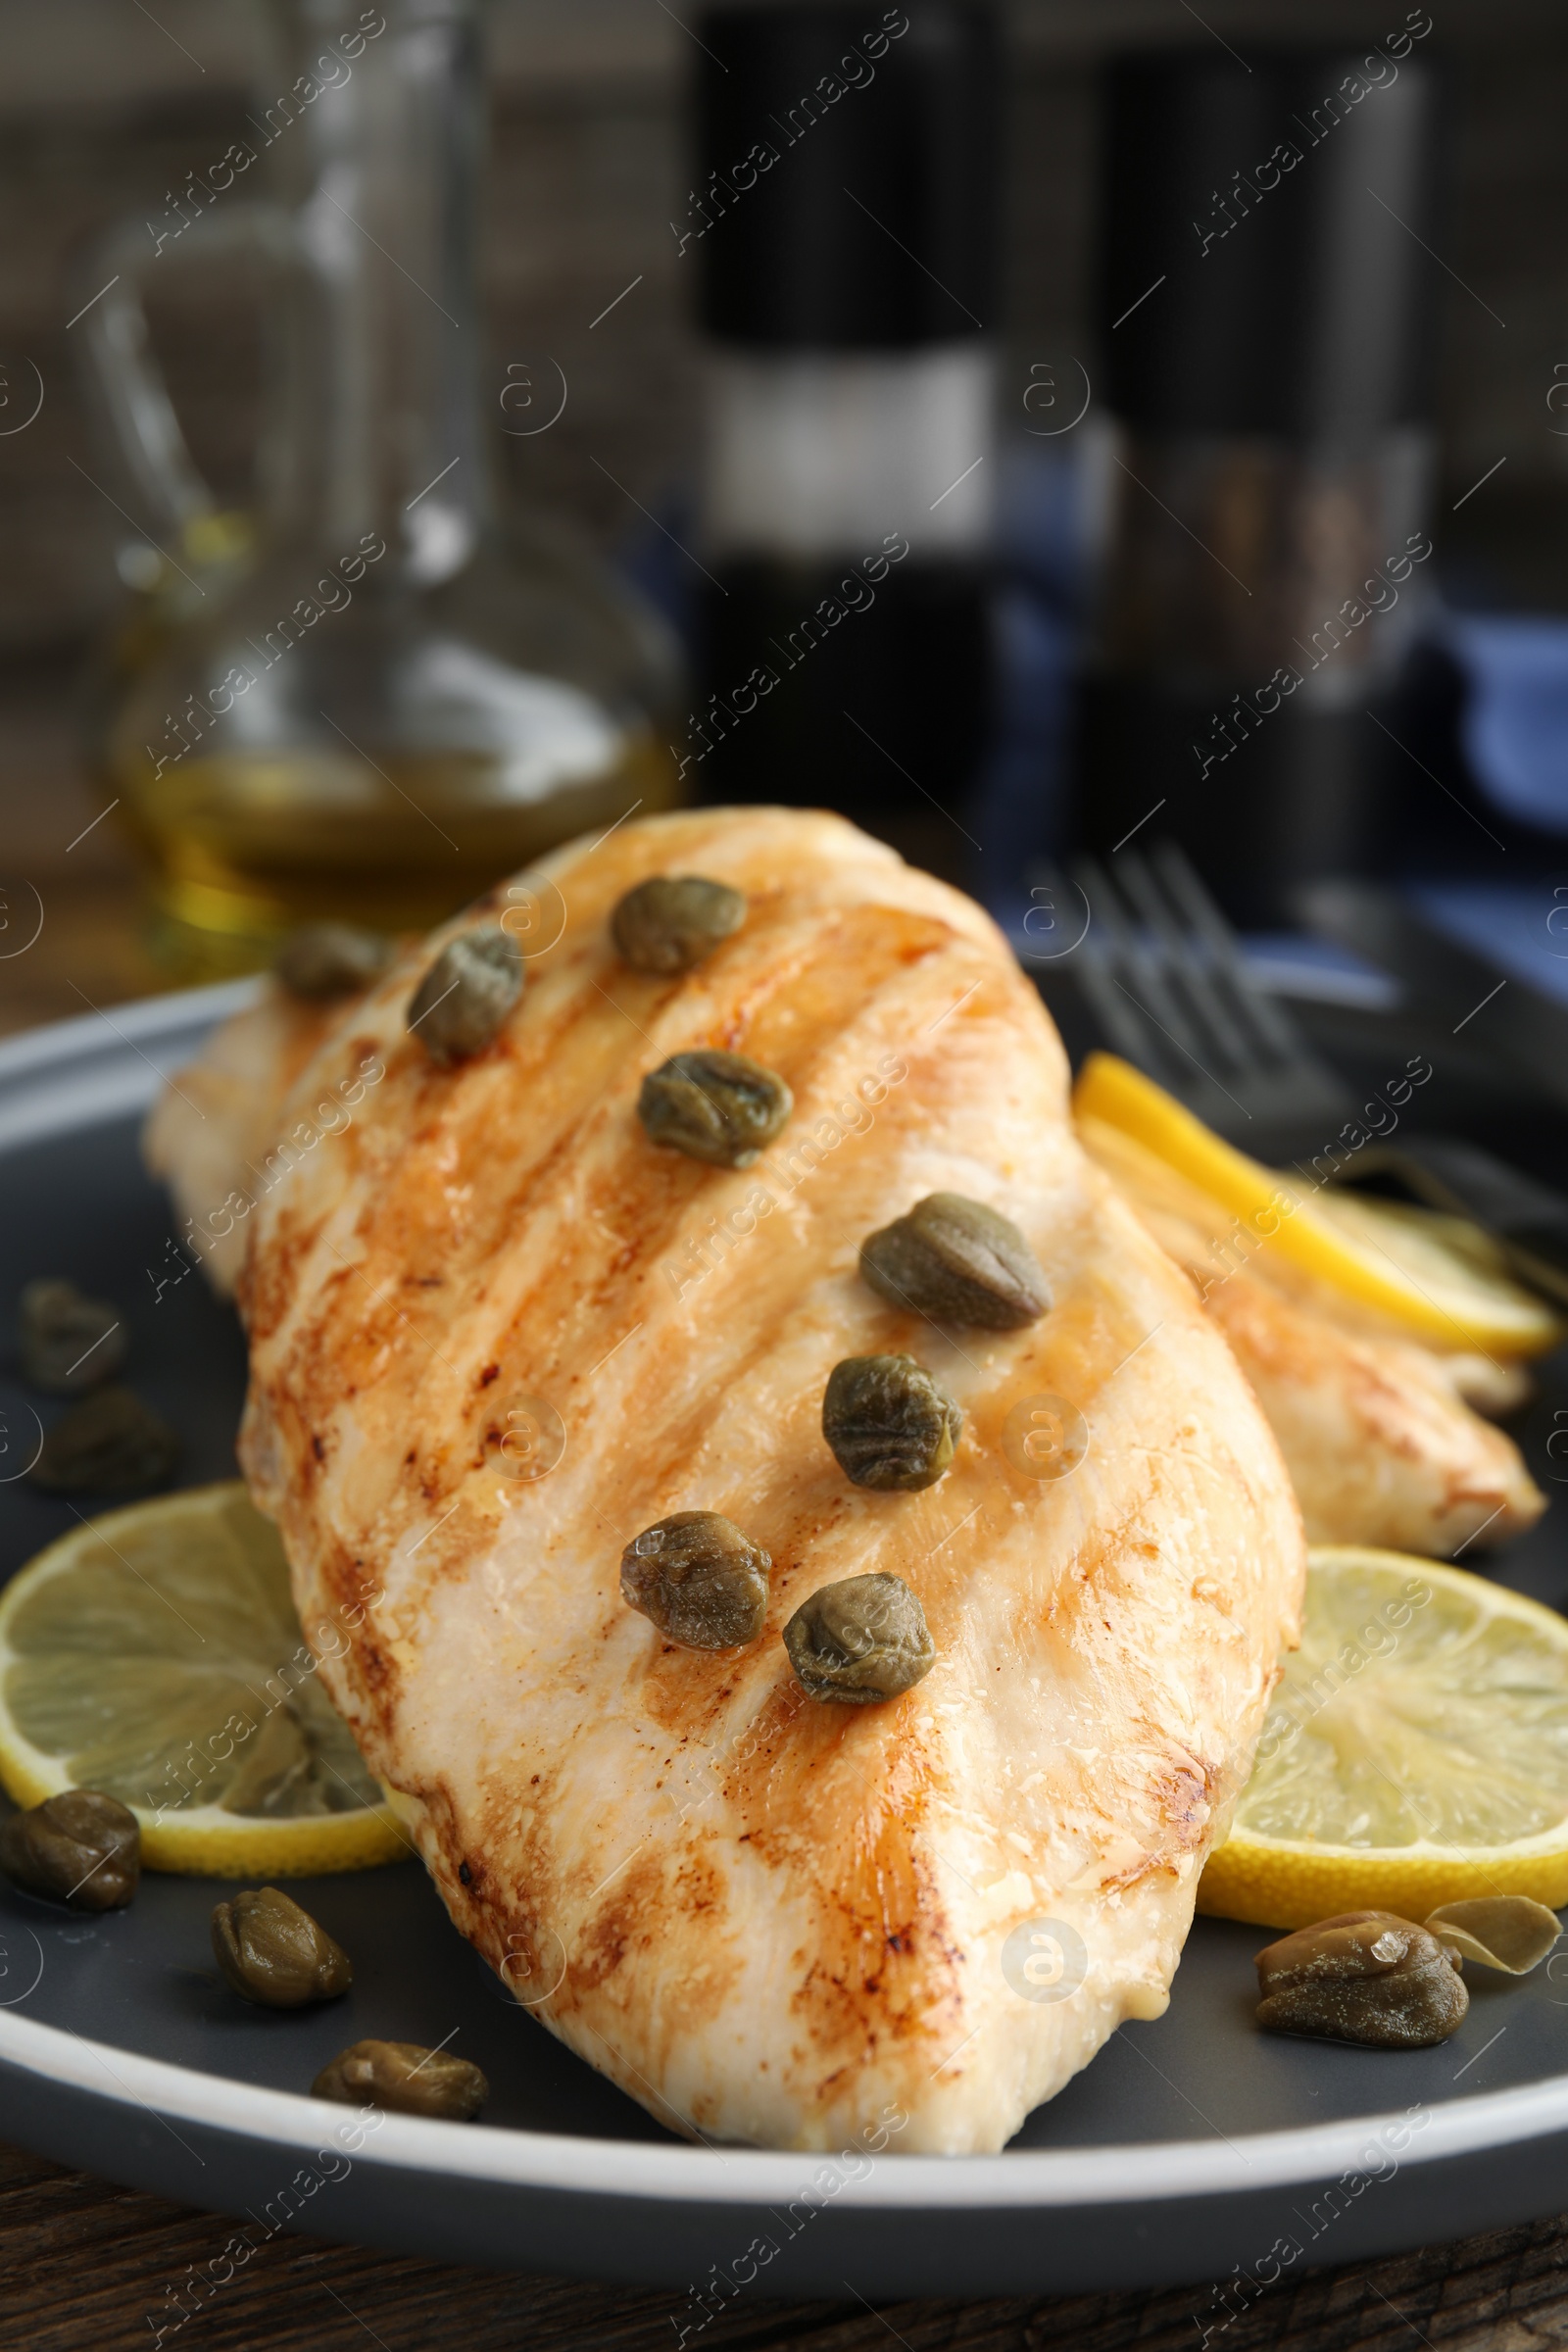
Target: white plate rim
[(1117, 2174)]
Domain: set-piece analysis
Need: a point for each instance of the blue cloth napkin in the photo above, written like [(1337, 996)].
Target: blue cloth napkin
[(1515, 724), (1520, 928), (1513, 731)]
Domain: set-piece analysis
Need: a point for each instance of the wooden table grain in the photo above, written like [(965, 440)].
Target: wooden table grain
[(85, 2266), (88, 2267)]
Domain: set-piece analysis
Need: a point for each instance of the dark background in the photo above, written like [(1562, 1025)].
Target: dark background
[(103, 110)]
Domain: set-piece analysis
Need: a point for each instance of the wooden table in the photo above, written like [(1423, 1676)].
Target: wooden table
[(85, 2266)]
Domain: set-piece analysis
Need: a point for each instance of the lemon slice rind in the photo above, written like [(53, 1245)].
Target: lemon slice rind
[(1280, 1882), (1341, 1242)]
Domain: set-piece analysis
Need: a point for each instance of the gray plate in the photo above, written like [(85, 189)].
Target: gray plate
[(1188, 2148)]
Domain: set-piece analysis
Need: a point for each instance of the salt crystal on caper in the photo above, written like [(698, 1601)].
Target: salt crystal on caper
[(715, 1107), (406, 2078), (111, 1443), (274, 1952), (1365, 1976), (891, 1423), (69, 1343), (81, 1847), (861, 1641), (1507, 1932), (322, 960), (459, 1005), (673, 921), (958, 1261), (698, 1579)]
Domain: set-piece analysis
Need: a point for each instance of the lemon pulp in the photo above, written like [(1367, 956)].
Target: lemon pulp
[(155, 1654), (1415, 1752)]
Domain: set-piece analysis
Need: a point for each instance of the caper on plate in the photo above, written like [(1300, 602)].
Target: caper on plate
[(1371, 1977), (1364, 1976), (404, 2078), (81, 1848), (110, 1443), (274, 1953), (69, 1343)]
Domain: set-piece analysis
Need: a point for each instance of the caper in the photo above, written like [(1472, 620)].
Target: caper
[(958, 1261), (274, 1953), (467, 994), (404, 2078), (1507, 1932), (1362, 1976), (79, 1847), (111, 1443), (890, 1422), (716, 1107), (701, 1581), (673, 921), (68, 1342), (322, 960), (863, 1640)]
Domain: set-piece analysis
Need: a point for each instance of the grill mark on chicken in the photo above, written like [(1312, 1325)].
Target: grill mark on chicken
[(777, 1916), (867, 947)]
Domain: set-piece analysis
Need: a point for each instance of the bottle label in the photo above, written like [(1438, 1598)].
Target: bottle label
[(815, 455)]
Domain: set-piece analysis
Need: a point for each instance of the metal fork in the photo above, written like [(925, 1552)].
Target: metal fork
[(1161, 971), (1163, 975)]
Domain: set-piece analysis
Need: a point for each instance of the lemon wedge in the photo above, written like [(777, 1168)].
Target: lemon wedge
[(155, 1654), (1437, 1276), (1415, 1752)]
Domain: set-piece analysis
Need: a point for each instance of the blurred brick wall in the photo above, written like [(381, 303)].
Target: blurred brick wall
[(101, 110)]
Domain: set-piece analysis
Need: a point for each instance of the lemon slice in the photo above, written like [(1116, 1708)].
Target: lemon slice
[(155, 1654), (1415, 1754), (1438, 1276)]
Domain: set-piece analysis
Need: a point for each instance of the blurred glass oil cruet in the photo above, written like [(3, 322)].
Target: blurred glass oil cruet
[(394, 698)]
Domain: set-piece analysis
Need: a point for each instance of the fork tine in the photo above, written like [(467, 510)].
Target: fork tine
[(1116, 1012), (1287, 1086), (1160, 972), (1223, 1039), (1271, 1025), (1150, 995)]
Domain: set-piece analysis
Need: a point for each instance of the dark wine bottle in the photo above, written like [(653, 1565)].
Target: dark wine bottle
[(843, 225)]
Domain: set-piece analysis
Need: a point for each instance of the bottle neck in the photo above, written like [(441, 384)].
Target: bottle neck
[(371, 127)]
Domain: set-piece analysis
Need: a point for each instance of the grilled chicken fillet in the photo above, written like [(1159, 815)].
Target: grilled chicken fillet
[(1378, 1430), (210, 1134), (1382, 1436), (770, 1919)]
